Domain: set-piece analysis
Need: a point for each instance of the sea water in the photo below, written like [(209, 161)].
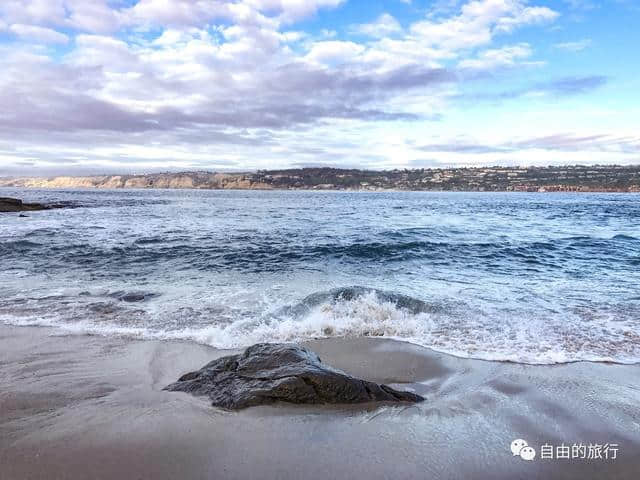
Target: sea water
[(533, 278)]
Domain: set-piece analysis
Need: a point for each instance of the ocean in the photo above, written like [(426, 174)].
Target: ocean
[(530, 278)]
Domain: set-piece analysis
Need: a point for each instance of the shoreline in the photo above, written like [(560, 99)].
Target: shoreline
[(80, 403), (127, 335)]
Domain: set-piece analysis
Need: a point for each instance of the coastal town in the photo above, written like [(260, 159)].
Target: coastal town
[(605, 178)]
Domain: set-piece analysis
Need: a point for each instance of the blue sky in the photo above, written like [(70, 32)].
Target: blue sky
[(105, 86)]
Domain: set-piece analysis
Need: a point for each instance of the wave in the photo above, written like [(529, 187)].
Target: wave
[(349, 294), (275, 253), (19, 246), (358, 311)]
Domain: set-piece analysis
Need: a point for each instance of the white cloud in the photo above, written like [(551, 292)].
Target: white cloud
[(576, 46), (103, 16), (497, 58), (93, 16), (479, 21), (201, 12), (383, 26), (35, 12), (84, 15), (214, 81), (178, 12), (334, 51), (38, 34), (526, 16), (293, 9)]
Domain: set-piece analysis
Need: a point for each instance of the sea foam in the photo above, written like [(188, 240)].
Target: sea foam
[(371, 313)]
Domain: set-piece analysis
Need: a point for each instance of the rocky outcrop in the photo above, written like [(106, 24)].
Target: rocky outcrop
[(16, 205), (268, 373)]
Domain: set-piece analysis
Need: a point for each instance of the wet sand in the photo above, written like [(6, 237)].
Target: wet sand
[(76, 407)]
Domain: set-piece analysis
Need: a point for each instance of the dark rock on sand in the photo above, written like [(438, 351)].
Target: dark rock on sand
[(267, 373), (16, 205)]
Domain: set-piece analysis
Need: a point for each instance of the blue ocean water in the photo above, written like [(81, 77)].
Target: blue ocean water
[(534, 278)]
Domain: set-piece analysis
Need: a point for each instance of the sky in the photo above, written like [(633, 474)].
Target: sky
[(135, 86)]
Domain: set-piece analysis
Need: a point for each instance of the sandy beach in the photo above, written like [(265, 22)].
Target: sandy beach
[(92, 407)]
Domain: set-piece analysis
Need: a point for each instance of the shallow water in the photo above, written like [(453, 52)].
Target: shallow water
[(534, 278)]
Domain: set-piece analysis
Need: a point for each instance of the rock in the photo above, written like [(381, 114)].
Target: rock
[(11, 205), (133, 297), (267, 373), (16, 205)]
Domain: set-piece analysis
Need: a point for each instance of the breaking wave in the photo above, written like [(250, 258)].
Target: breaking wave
[(357, 311)]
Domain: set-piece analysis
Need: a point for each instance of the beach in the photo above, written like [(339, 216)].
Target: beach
[(79, 406)]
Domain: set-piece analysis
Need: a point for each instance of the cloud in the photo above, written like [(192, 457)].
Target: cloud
[(334, 51), (192, 84), (580, 4), (105, 16), (572, 142), (497, 58), (383, 26), (560, 142), (573, 85), (201, 12), (526, 16), (462, 147), (479, 21), (34, 12), (83, 15), (291, 10), (576, 46), (38, 34), (245, 83), (559, 87), (173, 13)]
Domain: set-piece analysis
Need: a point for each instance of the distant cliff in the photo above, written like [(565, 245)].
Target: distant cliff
[(600, 178), (204, 180)]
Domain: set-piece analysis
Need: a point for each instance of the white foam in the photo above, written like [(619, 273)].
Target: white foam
[(487, 337)]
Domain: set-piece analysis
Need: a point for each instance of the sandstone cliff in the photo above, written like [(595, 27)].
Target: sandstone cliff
[(202, 180)]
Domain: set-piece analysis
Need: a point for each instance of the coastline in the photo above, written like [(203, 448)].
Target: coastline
[(77, 403), (568, 178)]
